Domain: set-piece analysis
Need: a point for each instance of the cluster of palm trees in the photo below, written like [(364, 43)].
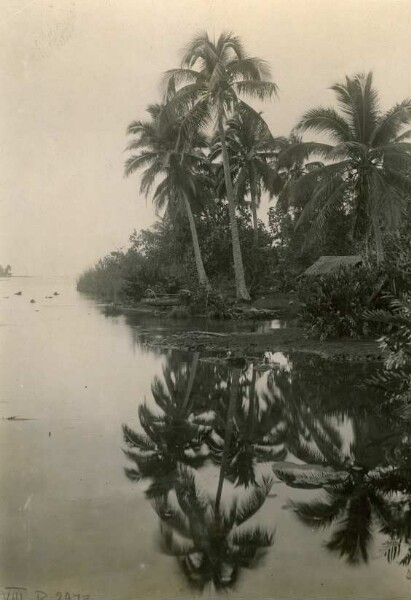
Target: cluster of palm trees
[(248, 423), (204, 140)]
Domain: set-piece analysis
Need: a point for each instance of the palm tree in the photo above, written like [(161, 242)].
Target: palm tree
[(184, 174), (368, 164), (212, 77), (251, 148)]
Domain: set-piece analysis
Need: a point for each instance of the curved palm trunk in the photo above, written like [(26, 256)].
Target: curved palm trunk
[(378, 237), (241, 288), (202, 275), (227, 438)]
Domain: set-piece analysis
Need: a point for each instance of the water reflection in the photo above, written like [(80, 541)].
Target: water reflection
[(213, 436)]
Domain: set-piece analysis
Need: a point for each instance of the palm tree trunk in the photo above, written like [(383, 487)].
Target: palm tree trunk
[(202, 275), (250, 419), (190, 384), (255, 217), (235, 378), (242, 292), (378, 237)]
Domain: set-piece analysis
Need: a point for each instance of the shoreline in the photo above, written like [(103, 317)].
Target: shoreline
[(227, 345), (248, 345)]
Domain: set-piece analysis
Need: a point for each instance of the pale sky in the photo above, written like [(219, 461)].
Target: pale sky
[(74, 73)]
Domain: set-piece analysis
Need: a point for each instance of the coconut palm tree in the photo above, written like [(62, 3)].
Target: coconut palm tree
[(367, 166), (184, 174), (209, 84), (251, 149)]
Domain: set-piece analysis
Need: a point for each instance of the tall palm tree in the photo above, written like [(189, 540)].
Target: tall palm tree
[(251, 148), (212, 77), (184, 178), (367, 166)]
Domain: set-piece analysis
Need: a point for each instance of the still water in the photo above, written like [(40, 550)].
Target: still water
[(127, 472)]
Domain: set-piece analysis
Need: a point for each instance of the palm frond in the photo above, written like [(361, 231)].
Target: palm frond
[(261, 90), (326, 120), (251, 504), (250, 69), (136, 162), (136, 440), (390, 124)]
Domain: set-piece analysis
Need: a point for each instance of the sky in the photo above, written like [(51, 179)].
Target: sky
[(75, 73)]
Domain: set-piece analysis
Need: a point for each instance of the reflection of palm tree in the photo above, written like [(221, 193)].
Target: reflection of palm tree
[(356, 492), (356, 506), (216, 548), (173, 437), (251, 439), (356, 497), (209, 543)]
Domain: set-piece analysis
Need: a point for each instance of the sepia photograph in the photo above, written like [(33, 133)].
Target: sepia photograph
[(205, 299)]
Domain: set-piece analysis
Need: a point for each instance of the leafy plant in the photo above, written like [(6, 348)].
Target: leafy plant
[(334, 304), (395, 379), (208, 302)]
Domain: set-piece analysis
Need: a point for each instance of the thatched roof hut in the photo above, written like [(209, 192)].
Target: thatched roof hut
[(329, 264)]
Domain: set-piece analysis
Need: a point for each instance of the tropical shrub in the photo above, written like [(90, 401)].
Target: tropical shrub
[(395, 379), (208, 302), (334, 304)]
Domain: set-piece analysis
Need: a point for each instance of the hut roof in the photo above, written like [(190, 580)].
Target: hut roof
[(329, 264)]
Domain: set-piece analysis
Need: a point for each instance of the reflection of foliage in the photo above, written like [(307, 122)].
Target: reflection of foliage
[(209, 543), (210, 540), (252, 440), (308, 412), (354, 505), (361, 484), (170, 438)]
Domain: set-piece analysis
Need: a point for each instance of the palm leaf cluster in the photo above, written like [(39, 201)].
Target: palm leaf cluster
[(367, 163)]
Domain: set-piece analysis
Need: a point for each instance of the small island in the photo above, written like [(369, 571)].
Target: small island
[(5, 271)]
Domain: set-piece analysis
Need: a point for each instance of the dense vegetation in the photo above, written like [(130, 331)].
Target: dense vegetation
[(207, 157)]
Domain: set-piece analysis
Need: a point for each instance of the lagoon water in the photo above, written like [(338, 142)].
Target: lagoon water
[(72, 522)]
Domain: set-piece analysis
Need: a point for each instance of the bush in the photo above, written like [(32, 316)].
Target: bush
[(334, 305), (208, 302), (179, 312), (395, 379)]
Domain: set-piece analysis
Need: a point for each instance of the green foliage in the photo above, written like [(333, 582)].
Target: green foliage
[(334, 304), (395, 379), (160, 260), (208, 302), (368, 165)]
